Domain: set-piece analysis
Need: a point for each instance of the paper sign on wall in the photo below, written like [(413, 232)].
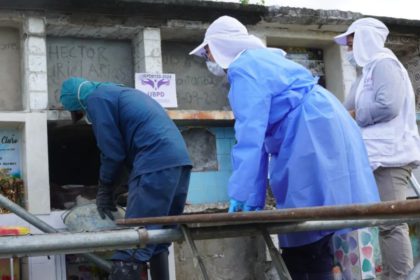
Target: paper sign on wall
[(161, 87), (10, 140)]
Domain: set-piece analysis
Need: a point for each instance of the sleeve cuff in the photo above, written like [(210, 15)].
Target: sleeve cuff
[(363, 117)]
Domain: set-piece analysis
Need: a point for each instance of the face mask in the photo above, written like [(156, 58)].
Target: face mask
[(80, 116), (85, 117), (215, 69), (78, 95), (350, 58)]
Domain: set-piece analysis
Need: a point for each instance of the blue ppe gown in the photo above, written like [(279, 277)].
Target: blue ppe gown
[(317, 155)]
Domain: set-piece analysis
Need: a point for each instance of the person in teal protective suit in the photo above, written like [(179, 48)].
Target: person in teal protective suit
[(317, 155), (132, 130)]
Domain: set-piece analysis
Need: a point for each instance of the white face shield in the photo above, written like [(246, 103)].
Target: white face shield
[(369, 39), (226, 38)]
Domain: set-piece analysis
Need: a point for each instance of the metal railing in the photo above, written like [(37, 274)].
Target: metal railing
[(206, 226)]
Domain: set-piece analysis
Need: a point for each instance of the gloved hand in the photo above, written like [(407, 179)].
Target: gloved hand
[(105, 201), (235, 206), (248, 208)]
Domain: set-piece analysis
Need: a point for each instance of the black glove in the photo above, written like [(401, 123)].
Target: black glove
[(105, 201)]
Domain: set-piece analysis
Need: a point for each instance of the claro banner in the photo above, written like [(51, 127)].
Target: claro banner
[(161, 87), (10, 145)]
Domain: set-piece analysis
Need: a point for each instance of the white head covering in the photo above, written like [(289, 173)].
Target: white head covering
[(369, 40), (226, 38)]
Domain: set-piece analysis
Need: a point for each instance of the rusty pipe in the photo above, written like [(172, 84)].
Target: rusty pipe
[(383, 210)]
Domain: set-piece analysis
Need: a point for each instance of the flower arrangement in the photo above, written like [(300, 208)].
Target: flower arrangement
[(12, 188)]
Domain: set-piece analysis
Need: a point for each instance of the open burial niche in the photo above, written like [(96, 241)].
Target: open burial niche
[(74, 162)]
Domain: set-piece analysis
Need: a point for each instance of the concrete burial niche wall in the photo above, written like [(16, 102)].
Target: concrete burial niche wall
[(413, 68), (196, 87), (406, 48), (10, 75), (310, 58), (201, 145), (412, 63), (94, 59), (224, 259)]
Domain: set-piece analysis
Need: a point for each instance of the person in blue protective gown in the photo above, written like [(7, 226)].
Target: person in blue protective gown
[(134, 131), (317, 155)]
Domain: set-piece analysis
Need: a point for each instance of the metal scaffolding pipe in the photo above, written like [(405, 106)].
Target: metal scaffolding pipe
[(43, 226), (391, 209), (71, 243), (25, 215), (232, 230)]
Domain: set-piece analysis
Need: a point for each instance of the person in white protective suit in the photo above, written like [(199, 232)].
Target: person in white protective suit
[(317, 153), (383, 105)]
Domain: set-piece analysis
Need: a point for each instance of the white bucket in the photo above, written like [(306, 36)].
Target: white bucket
[(86, 218)]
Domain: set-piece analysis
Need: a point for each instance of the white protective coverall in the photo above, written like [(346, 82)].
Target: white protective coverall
[(390, 133)]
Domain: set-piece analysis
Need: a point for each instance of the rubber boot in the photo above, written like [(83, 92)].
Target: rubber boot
[(159, 266), (128, 271)]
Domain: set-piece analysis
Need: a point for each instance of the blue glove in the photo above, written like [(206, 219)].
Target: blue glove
[(248, 208), (235, 206)]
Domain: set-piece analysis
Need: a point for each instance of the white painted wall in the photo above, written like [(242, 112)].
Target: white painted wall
[(148, 51), (339, 73), (35, 159), (35, 85), (43, 267)]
